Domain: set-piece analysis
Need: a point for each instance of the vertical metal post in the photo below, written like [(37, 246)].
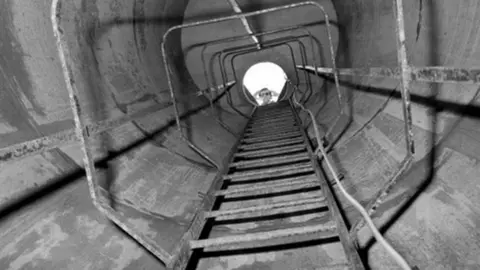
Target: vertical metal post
[(406, 74)]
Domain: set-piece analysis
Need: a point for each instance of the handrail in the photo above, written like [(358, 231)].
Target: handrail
[(322, 151)]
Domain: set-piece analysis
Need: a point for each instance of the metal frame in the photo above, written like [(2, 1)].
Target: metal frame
[(247, 49), (348, 243), (280, 43), (263, 33), (418, 74), (218, 20)]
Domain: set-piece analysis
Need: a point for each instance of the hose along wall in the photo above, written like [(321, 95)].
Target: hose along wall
[(116, 47)]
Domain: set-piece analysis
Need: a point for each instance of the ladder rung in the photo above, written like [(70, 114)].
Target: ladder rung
[(274, 110), (272, 151), (272, 137), (276, 237), (271, 132), (270, 144), (296, 183), (270, 172), (272, 127), (270, 161), (272, 118), (268, 209)]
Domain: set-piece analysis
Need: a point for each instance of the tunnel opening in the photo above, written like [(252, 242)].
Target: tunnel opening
[(265, 81)]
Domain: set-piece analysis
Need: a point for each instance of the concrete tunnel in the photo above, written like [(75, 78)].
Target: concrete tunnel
[(47, 217)]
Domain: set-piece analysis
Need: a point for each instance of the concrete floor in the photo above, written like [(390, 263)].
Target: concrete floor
[(47, 220)]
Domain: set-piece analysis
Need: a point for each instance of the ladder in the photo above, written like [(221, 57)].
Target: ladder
[(275, 157)]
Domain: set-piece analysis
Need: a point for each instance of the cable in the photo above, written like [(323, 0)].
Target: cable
[(376, 234)]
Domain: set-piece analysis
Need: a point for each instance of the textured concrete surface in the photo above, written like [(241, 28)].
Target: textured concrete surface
[(47, 219)]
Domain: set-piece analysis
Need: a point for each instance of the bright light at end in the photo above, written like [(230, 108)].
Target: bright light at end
[(265, 81)]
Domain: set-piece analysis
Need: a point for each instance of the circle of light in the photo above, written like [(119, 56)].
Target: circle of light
[(264, 75)]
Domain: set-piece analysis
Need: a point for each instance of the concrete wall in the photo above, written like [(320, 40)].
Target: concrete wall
[(47, 219)]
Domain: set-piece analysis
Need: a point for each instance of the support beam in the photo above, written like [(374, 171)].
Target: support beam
[(36, 146), (418, 74)]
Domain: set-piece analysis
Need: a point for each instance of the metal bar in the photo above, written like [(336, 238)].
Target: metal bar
[(406, 75), (238, 10), (276, 186), (347, 243), (270, 172), (81, 133), (418, 74), (262, 237), (268, 145), (380, 196), (270, 161), (270, 152), (181, 253), (266, 209)]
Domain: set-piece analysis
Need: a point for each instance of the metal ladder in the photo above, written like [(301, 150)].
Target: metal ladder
[(274, 158)]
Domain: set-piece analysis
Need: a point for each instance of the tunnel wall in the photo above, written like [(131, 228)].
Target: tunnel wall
[(372, 145), (118, 65)]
